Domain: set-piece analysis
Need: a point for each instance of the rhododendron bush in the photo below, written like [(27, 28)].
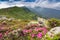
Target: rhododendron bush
[(30, 32), (35, 31), (16, 29)]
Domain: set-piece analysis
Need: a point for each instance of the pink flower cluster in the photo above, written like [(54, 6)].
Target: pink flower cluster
[(1, 35), (39, 35), (32, 35), (27, 31), (41, 29), (36, 32)]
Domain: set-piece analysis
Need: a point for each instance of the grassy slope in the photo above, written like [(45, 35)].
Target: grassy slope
[(20, 13)]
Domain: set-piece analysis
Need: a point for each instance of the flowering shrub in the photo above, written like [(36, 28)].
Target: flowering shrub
[(1, 35), (10, 30), (54, 22), (33, 32), (36, 32)]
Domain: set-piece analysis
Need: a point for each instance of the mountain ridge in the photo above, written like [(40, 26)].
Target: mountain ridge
[(18, 12), (46, 12)]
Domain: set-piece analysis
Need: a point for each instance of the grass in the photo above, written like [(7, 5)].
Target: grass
[(19, 13)]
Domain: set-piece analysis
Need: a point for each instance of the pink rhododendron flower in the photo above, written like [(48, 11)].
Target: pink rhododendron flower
[(1, 35), (25, 31), (44, 30), (39, 35), (37, 29), (30, 30), (1, 28), (6, 33), (32, 35)]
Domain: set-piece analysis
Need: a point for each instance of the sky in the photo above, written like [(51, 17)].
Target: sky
[(19, 0), (54, 4)]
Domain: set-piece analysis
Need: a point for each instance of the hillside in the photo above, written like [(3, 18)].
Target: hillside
[(19, 13), (46, 12)]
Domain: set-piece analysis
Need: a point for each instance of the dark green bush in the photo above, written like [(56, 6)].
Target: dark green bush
[(53, 22)]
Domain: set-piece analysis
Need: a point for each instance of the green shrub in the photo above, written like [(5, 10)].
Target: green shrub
[(55, 37), (54, 22)]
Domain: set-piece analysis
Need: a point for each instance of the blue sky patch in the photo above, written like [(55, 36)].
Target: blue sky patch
[(20, 0), (29, 0), (54, 0), (4, 0)]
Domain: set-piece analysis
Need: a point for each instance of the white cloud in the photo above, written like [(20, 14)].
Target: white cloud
[(5, 5), (41, 3), (47, 4)]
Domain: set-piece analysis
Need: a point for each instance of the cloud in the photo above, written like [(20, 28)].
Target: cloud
[(46, 4), (7, 4), (41, 3)]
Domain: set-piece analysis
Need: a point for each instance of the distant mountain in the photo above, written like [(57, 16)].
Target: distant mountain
[(19, 13), (46, 12)]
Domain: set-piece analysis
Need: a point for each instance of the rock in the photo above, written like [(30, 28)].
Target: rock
[(43, 21), (54, 31), (10, 19), (4, 18)]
